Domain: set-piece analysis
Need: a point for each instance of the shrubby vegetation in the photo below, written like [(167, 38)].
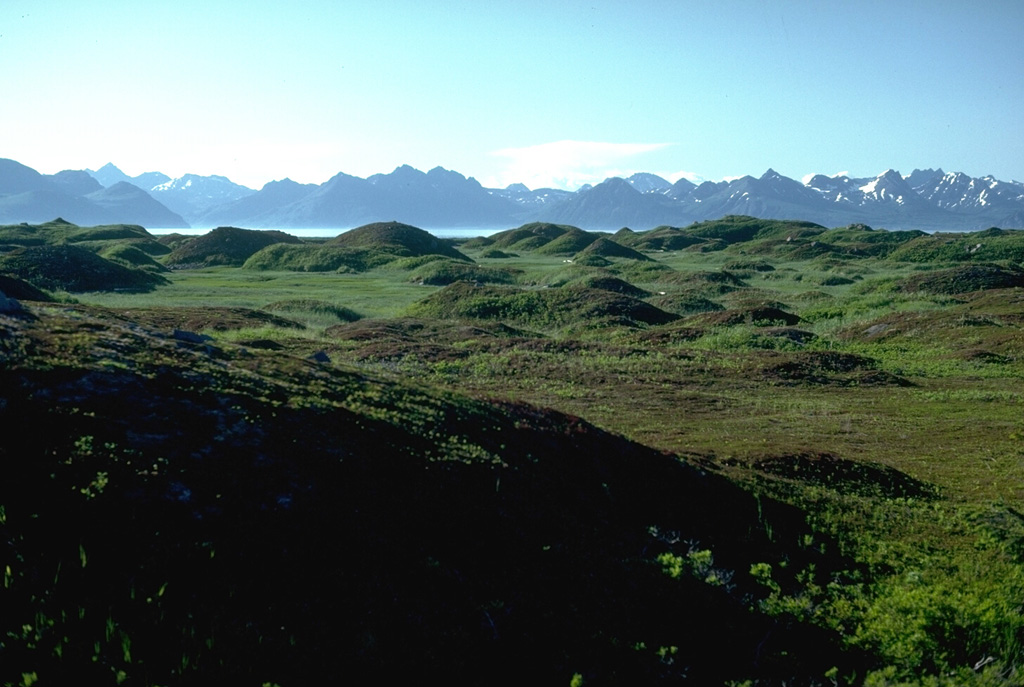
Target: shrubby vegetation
[(801, 448)]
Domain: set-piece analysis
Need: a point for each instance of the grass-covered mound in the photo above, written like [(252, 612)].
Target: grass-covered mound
[(312, 306), (763, 315), (982, 246), (607, 248), (197, 516), (174, 240), (572, 240), (358, 250), (983, 328), (12, 287), (225, 246), (964, 279), (74, 269), (197, 319), (824, 368), (128, 245), (740, 228), (444, 272), (62, 231), (707, 282), (748, 266), (535, 235), (686, 303), (847, 476), (396, 239), (659, 239), (132, 256), (315, 258), (496, 254), (613, 284), (427, 340), (859, 240), (576, 307)]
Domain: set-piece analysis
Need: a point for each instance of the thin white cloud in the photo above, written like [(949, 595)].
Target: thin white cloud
[(567, 164)]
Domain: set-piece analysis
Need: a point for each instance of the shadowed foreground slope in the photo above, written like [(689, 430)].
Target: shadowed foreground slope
[(173, 511)]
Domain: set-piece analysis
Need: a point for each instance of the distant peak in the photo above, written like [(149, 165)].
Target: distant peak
[(616, 182)]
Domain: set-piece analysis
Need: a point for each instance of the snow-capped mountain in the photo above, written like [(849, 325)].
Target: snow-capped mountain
[(28, 196), (648, 183), (193, 195), (957, 191), (926, 199)]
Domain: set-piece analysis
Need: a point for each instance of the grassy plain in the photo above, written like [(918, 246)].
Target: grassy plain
[(812, 367)]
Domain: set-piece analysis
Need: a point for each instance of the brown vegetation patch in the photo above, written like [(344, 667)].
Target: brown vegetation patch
[(409, 329), (12, 287), (966, 279), (797, 336), (766, 315), (825, 368), (199, 319), (669, 335), (843, 475)]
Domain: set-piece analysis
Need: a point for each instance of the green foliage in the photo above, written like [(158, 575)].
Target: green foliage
[(310, 306), (542, 308), (533, 236), (739, 228), (965, 279), (881, 433), (495, 254), (131, 256), (659, 239), (443, 272), (312, 258), (225, 246), (987, 246), (396, 239), (74, 269), (606, 248), (571, 241)]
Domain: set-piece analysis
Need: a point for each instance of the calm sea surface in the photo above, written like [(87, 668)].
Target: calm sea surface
[(455, 233), (444, 233)]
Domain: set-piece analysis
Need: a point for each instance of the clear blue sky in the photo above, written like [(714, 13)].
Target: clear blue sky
[(541, 92)]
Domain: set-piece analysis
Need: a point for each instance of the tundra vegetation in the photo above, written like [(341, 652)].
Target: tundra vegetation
[(741, 452)]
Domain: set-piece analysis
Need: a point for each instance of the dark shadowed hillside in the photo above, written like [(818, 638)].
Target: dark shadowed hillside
[(179, 512)]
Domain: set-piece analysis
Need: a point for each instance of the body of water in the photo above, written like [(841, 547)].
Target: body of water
[(446, 233), (440, 232)]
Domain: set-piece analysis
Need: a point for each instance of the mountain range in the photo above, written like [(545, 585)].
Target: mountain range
[(928, 199)]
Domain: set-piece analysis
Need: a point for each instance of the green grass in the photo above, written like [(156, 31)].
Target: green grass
[(374, 294), (891, 378)]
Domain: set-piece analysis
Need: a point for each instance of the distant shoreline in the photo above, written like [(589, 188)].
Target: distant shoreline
[(318, 233)]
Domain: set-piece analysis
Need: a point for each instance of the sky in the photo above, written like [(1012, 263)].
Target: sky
[(539, 92)]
